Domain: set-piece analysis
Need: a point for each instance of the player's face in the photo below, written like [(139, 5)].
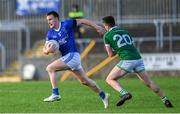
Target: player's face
[(106, 26), (52, 21)]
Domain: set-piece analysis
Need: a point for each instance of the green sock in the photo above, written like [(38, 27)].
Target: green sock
[(164, 99), (123, 91)]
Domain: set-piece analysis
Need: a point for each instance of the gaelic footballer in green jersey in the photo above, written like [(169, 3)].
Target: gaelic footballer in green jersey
[(121, 42), (118, 41)]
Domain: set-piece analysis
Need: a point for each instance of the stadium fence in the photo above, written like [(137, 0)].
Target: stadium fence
[(20, 32)]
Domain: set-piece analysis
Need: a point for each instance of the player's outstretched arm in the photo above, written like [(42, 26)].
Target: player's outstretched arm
[(87, 22)]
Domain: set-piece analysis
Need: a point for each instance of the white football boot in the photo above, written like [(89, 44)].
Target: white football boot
[(52, 98), (106, 100)]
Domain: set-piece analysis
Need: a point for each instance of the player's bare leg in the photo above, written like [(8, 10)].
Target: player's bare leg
[(114, 75), (112, 80), (56, 65), (155, 88), (81, 76), (149, 83)]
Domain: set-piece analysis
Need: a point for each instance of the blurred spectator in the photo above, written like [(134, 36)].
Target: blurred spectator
[(76, 13)]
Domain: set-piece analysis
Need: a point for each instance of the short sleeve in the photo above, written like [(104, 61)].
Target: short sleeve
[(70, 23), (48, 37)]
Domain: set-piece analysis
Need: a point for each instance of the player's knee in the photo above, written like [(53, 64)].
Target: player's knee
[(108, 80), (84, 82), (49, 68), (155, 88)]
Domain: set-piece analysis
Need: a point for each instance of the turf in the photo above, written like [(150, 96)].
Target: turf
[(27, 97)]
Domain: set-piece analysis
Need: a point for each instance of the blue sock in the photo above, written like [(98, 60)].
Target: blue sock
[(102, 95), (55, 91)]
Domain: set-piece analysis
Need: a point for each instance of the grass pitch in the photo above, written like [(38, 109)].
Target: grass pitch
[(27, 97)]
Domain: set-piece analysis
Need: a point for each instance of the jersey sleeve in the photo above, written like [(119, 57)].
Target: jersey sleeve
[(70, 23), (49, 37)]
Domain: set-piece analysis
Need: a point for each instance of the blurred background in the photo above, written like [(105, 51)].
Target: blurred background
[(154, 25)]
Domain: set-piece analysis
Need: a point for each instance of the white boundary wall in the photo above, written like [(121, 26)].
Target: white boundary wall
[(161, 61)]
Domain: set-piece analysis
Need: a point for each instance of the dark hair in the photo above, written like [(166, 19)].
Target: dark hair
[(75, 6), (109, 20), (55, 14)]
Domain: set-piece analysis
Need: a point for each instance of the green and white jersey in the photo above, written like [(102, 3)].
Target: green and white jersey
[(121, 42)]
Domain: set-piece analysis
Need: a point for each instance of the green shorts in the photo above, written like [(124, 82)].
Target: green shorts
[(131, 65)]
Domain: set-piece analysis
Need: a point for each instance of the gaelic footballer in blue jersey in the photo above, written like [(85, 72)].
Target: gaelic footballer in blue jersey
[(61, 36)]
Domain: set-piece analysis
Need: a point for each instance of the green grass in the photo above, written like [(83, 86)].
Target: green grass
[(27, 97)]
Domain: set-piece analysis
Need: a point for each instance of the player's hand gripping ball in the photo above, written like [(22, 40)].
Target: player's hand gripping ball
[(54, 44)]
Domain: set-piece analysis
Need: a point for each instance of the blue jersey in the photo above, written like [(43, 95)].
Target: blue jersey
[(64, 36)]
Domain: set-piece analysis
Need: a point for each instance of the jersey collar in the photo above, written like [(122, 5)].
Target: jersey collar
[(58, 28), (113, 28)]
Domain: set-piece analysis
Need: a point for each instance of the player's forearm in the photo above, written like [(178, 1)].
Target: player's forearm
[(111, 54), (87, 22), (51, 46), (109, 51), (47, 50), (99, 29)]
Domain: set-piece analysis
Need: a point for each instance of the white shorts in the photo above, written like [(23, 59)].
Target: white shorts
[(131, 65), (72, 60)]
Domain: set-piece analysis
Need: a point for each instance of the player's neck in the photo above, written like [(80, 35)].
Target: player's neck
[(57, 27), (112, 28)]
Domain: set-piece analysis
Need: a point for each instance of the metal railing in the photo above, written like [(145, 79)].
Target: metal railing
[(127, 12), (3, 57), (13, 42)]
